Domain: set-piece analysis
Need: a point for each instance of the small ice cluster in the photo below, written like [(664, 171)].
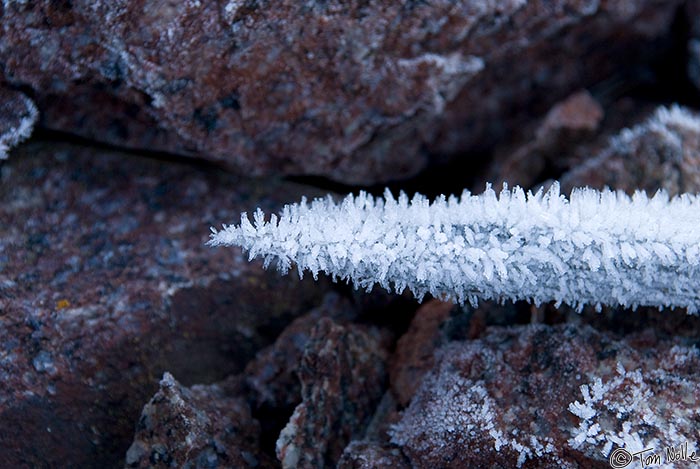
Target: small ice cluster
[(15, 126), (593, 248)]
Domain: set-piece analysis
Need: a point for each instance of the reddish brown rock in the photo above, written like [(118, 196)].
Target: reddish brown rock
[(375, 448), (547, 143), (531, 396), (272, 379), (343, 376), (358, 92), (272, 374), (105, 283), (414, 355), (199, 427), (580, 112), (435, 324)]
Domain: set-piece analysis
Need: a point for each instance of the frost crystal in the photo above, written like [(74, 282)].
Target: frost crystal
[(638, 411), (18, 114), (596, 248)]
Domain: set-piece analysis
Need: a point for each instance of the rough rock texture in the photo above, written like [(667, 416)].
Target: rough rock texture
[(274, 388), (197, 427), (18, 114), (435, 324), (414, 354), (663, 152), (636, 147), (105, 283), (515, 398), (358, 92), (272, 374), (343, 375), (367, 455), (693, 15), (546, 144)]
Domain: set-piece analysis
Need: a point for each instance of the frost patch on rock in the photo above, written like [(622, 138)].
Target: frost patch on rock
[(513, 398), (447, 74), (661, 152), (626, 411), (18, 114)]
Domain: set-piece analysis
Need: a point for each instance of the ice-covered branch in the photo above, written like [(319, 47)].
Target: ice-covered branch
[(596, 248)]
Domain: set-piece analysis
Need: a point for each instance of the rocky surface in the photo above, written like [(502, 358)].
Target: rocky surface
[(107, 289), (365, 455), (542, 396), (546, 145), (357, 92), (321, 379), (414, 354), (663, 152), (343, 375), (199, 427), (272, 375), (632, 146), (105, 283)]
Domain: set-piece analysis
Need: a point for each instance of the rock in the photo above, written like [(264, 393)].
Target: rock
[(274, 389), (579, 113), (568, 123), (272, 374), (366, 455), (18, 114), (198, 427), (435, 324), (105, 283), (663, 152), (415, 349), (531, 396), (357, 92), (374, 449), (343, 376)]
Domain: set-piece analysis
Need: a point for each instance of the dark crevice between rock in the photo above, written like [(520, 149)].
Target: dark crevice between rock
[(665, 80), (376, 309), (272, 420), (447, 178), (662, 80), (60, 137)]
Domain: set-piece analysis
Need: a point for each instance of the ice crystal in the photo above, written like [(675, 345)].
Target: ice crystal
[(594, 248), (17, 118), (637, 411)]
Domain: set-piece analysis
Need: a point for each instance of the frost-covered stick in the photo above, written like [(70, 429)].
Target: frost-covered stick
[(596, 248)]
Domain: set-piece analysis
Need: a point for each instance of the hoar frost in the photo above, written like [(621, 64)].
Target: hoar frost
[(594, 248)]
